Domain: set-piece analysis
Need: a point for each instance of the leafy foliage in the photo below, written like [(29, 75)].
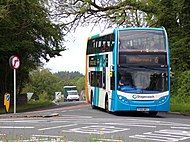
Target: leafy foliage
[(26, 31), (72, 78), (182, 86), (44, 84), (174, 15), (66, 75)]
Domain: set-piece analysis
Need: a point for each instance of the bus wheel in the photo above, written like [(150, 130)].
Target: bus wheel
[(153, 113), (106, 104), (92, 106)]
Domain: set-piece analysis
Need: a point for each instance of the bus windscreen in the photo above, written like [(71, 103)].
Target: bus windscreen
[(141, 80)]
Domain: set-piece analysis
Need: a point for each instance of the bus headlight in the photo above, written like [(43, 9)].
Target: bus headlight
[(123, 99), (162, 100)]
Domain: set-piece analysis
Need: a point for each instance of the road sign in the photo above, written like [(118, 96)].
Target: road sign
[(14, 62), (7, 101)]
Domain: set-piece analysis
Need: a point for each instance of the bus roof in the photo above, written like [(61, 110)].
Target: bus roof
[(106, 32), (141, 28), (109, 31)]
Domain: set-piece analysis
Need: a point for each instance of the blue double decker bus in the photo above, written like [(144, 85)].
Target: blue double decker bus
[(129, 70)]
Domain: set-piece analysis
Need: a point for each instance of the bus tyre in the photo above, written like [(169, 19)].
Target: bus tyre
[(153, 113), (92, 106)]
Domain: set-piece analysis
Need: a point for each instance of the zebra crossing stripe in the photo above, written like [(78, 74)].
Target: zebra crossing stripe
[(185, 128), (164, 135), (175, 132)]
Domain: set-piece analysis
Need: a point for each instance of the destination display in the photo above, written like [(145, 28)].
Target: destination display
[(153, 60)]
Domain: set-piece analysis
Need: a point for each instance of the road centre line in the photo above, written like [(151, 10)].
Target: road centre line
[(16, 127), (56, 127)]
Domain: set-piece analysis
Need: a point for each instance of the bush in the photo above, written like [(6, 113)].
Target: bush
[(182, 86), (44, 97)]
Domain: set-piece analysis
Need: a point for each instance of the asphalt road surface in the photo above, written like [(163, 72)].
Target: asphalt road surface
[(80, 123)]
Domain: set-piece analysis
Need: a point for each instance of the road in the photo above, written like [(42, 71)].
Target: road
[(80, 123)]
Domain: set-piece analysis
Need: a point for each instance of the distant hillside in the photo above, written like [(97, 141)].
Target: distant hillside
[(72, 78), (66, 75)]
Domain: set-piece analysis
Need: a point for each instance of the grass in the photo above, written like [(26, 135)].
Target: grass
[(31, 105), (180, 104)]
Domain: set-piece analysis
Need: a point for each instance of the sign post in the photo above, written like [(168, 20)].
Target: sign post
[(14, 62)]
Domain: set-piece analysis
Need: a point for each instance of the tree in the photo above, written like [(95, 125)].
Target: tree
[(174, 15), (42, 81), (26, 31), (84, 12), (72, 78), (80, 83)]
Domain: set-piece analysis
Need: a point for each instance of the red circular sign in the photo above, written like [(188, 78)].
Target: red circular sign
[(14, 62)]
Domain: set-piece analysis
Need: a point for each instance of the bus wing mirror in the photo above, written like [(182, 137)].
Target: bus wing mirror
[(112, 68)]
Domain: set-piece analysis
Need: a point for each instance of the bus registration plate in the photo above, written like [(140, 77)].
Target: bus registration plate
[(142, 109)]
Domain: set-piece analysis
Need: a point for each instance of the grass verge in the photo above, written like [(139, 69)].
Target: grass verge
[(180, 104), (31, 105)]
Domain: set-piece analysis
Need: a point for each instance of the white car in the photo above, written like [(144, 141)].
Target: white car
[(72, 95)]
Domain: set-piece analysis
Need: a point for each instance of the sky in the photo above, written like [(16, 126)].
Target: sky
[(73, 58)]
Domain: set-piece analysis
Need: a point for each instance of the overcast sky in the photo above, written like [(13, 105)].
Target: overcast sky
[(73, 59)]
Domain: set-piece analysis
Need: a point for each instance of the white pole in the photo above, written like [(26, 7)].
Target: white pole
[(14, 91)]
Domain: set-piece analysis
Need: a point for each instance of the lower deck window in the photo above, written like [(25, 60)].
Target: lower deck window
[(96, 78)]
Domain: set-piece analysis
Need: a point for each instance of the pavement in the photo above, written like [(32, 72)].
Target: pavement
[(45, 112)]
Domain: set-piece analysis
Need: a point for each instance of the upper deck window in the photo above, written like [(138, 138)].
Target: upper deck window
[(100, 44), (142, 40)]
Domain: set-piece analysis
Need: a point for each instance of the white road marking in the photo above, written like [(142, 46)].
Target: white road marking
[(48, 136), (185, 128), (175, 132), (142, 137), (164, 135), (22, 121), (16, 127), (95, 129), (132, 125), (56, 127), (108, 140)]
